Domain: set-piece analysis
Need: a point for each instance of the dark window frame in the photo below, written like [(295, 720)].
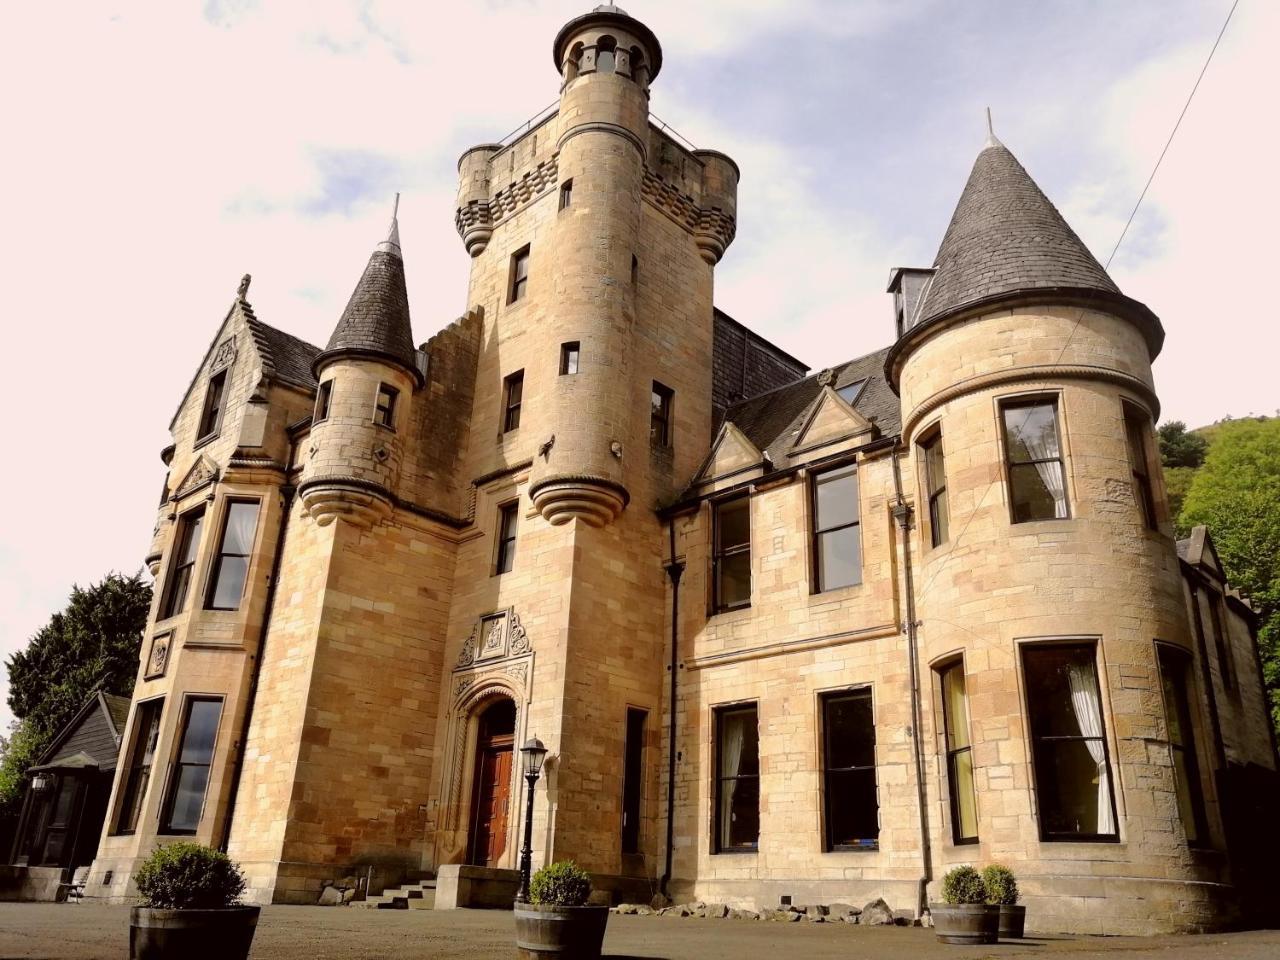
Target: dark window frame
[(829, 773), (518, 282), (1137, 425), (570, 356), (1021, 403), (815, 533), (177, 586), (177, 765), (566, 194), (935, 493), (633, 754), (1222, 641), (137, 779), (214, 406), (512, 383), (718, 716), (215, 568), (504, 551), (660, 432), (718, 554), (324, 400), (384, 410), (1170, 657), (953, 753), (1043, 833)]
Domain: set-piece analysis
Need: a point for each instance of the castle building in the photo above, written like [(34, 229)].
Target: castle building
[(785, 635)]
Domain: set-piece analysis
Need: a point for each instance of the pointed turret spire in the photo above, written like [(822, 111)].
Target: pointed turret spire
[(1005, 237), (991, 134), (375, 324)]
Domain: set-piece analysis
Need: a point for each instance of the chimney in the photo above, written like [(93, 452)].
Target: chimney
[(908, 284)]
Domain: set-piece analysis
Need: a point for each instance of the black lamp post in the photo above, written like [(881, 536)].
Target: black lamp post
[(534, 753)]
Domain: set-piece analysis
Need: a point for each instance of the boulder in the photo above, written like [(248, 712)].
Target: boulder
[(349, 894), (626, 909), (644, 911), (821, 909), (330, 897), (876, 913), (717, 911), (795, 917), (658, 901), (815, 918), (842, 909)]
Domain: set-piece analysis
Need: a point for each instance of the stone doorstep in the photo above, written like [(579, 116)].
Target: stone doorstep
[(410, 896)]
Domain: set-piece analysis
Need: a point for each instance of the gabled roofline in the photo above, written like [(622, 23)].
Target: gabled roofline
[(96, 700)]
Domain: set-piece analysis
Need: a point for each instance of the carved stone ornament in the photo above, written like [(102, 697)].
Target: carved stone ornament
[(495, 636), (158, 659), (467, 655), (202, 472), (225, 354), (519, 639), (462, 685), (826, 377)]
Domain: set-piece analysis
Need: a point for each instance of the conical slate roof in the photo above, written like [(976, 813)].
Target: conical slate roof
[(376, 320), (1006, 237)]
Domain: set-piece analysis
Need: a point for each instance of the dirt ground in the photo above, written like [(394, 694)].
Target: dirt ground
[(99, 932)]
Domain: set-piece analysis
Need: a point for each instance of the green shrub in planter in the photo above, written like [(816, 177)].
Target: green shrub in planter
[(189, 876), (963, 885), (1002, 887), (562, 884)]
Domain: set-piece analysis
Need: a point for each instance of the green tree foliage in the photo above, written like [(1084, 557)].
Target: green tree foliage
[(1180, 447), (1236, 494), (91, 645)]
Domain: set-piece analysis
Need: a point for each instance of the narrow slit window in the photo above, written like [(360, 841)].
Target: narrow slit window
[(142, 752), (566, 194), (190, 780), (935, 483), (324, 396), (184, 562), (737, 815), (1221, 642), (214, 397), (1069, 743), (955, 717), (660, 400), (1033, 455), (384, 410), (505, 555), (569, 358), (512, 399), (837, 532), (851, 804), (635, 269), (519, 275), (732, 558), (231, 565), (606, 54), (1175, 681), (1136, 426)]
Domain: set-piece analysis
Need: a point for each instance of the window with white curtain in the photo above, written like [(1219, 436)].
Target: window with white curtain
[(1069, 744), (231, 565), (1033, 457), (737, 810)]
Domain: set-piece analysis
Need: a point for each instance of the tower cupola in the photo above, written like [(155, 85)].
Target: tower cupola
[(607, 40)]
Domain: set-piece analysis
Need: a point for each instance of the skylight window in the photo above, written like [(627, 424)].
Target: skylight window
[(850, 393)]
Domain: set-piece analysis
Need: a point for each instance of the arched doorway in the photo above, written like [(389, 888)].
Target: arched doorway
[(491, 784)]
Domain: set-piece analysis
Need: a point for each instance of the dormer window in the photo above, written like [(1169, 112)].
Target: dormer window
[(384, 413), (211, 418), (323, 396)]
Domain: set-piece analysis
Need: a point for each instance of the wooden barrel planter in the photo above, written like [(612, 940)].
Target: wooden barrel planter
[(1013, 921), (546, 931), (222, 934), (966, 922)]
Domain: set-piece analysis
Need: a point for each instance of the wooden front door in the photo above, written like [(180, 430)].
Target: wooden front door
[(491, 794)]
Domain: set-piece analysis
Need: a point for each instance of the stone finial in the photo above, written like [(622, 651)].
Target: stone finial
[(242, 291), (991, 133)]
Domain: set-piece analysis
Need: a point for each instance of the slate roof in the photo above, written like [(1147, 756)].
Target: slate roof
[(772, 420), (376, 320), (1004, 237), (285, 356), (118, 708)]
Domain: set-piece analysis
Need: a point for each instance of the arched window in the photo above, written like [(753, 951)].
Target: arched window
[(639, 69), (605, 57), (572, 64)]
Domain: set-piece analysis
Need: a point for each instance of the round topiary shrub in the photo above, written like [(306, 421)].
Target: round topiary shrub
[(963, 885), (189, 876), (561, 884), (1002, 887)]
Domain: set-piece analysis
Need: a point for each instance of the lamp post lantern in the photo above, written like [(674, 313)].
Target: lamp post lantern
[(534, 753)]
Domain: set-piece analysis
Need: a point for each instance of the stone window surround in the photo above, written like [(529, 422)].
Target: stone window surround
[(384, 415), (938, 667), (715, 713), (926, 436), (824, 698), (1108, 735), (1138, 426), (167, 609), (517, 285), (174, 764), (815, 477), (223, 517), (1054, 395), (714, 555), (324, 399), (211, 432), (127, 765), (1190, 689)]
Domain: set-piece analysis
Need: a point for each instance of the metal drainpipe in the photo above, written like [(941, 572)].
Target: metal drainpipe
[(287, 491), (902, 513), (675, 569)]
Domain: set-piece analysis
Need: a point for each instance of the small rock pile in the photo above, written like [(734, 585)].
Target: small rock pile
[(333, 893), (875, 913)]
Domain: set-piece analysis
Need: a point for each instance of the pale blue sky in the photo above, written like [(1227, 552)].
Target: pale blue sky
[(166, 149)]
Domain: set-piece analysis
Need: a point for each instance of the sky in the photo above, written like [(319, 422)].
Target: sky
[(159, 151)]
